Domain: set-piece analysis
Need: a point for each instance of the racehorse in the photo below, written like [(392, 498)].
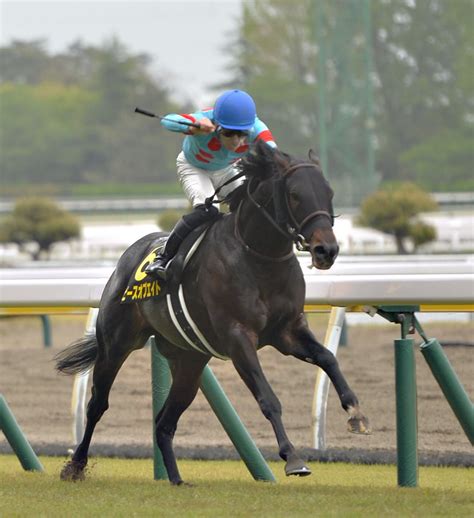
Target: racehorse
[(244, 289)]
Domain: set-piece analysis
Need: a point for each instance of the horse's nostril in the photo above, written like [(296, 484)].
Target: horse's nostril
[(326, 251), (320, 250), (333, 251)]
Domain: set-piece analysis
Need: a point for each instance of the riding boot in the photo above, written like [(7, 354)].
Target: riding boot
[(200, 214)]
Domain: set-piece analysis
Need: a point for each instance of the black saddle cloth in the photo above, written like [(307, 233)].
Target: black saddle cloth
[(142, 286)]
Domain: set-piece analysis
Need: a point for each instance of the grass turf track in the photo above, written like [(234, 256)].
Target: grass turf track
[(124, 487)]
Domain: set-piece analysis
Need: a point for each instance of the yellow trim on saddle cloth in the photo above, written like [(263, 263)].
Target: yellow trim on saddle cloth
[(139, 290), (140, 273)]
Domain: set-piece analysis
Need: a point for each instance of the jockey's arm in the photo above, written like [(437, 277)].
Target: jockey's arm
[(262, 132), (172, 123)]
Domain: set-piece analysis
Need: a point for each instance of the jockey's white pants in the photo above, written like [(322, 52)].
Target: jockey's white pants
[(198, 184)]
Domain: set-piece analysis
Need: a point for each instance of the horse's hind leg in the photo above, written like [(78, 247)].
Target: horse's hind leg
[(186, 369), (104, 375), (111, 355), (301, 343)]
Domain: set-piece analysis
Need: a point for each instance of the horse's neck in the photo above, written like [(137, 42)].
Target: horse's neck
[(258, 233)]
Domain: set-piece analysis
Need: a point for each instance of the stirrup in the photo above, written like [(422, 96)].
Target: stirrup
[(158, 268)]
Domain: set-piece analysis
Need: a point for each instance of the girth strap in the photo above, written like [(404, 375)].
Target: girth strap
[(181, 317)]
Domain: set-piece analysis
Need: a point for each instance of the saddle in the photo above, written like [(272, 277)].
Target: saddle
[(141, 286)]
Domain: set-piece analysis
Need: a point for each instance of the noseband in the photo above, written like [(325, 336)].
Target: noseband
[(284, 220)]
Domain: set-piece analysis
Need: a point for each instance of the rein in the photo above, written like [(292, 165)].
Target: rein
[(291, 231), (239, 238), (209, 201), (295, 231), (284, 221)]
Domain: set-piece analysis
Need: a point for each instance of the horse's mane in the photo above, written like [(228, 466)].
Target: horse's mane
[(261, 163)]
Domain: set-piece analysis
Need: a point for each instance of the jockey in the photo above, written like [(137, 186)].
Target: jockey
[(208, 159)]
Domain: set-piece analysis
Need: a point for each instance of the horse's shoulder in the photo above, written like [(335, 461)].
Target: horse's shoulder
[(223, 226)]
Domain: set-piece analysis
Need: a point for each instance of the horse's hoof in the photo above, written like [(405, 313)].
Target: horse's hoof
[(73, 472), (359, 425), (298, 468)]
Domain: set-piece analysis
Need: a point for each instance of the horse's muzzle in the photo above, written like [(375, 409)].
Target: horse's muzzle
[(324, 255)]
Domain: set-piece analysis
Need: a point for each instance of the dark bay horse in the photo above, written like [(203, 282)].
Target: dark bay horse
[(243, 288)]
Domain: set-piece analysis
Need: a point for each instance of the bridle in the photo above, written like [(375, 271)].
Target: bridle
[(284, 220)]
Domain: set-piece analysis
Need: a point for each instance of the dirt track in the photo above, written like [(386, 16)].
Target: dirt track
[(40, 398)]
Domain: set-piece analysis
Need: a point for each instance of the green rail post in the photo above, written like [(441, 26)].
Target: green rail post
[(160, 386), (450, 385), (405, 392), (46, 321), (234, 427), (228, 417), (405, 388), (17, 439), (343, 340)]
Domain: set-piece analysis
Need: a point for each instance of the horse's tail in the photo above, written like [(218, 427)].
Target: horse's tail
[(78, 356)]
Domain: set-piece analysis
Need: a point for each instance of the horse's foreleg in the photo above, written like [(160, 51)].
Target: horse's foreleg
[(246, 362), (186, 373), (301, 343)]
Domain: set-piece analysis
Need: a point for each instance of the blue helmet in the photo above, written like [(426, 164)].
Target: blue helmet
[(235, 109)]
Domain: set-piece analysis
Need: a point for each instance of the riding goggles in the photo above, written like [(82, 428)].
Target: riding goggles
[(228, 133)]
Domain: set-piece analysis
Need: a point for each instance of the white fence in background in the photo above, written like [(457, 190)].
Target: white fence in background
[(107, 241), (352, 281)]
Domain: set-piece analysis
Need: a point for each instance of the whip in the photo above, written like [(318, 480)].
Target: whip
[(151, 114)]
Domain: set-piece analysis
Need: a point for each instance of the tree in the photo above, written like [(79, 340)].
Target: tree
[(441, 161), (24, 62), (394, 210), (273, 57), (46, 132), (68, 118), (423, 54), (41, 221)]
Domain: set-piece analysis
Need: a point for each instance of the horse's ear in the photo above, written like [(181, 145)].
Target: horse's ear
[(264, 150), (282, 159), (314, 157), (259, 151), (265, 156), (258, 162)]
